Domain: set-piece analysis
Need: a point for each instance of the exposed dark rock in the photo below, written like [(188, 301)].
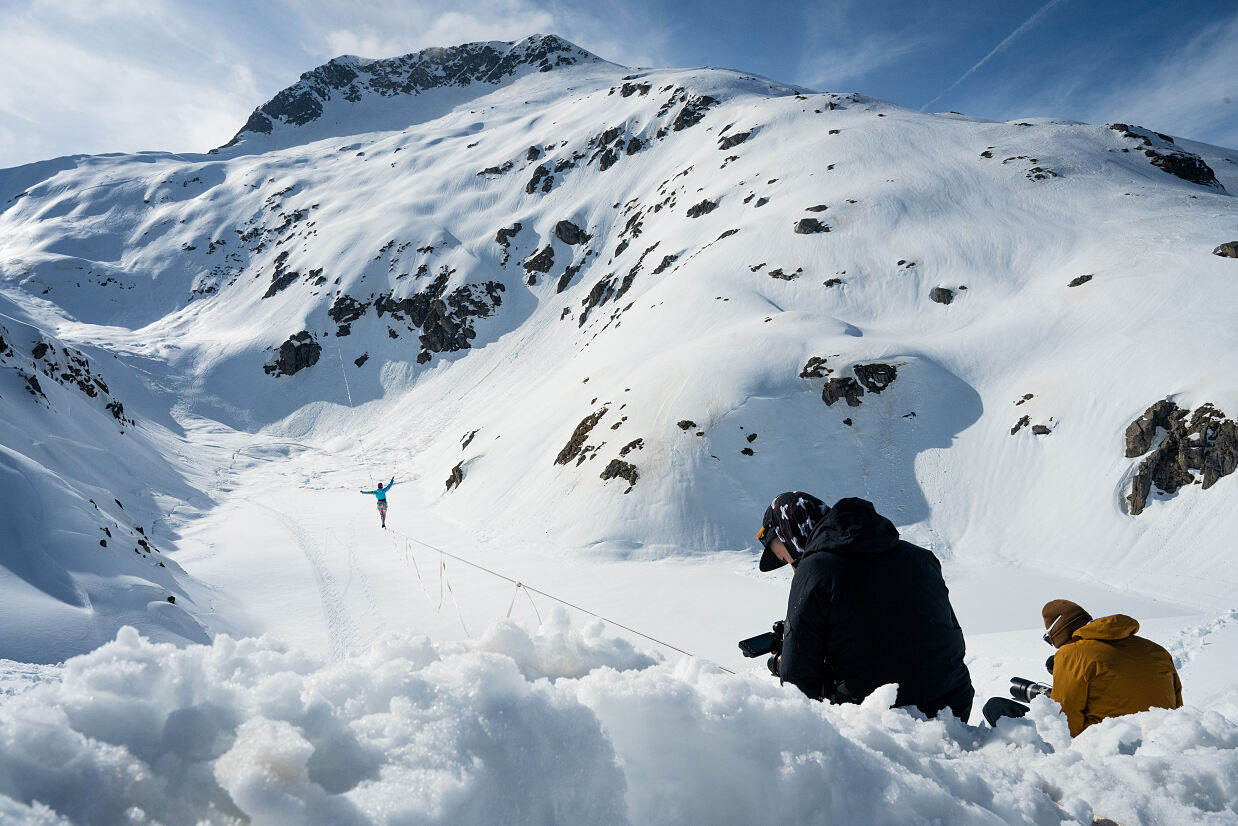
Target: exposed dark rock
[(752, 437), (467, 439), (783, 276), (32, 386), (576, 444), (817, 208), (731, 141), (667, 261), (457, 475), (842, 388), (1083, 279), (566, 279), (504, 236), (831, 282), (1020, 424), (693, 112), (346, 309), (619, 469), (351, 79), (361, 359), (542, 261), (876, 377), (1163, 415), (810, 226), (297, 353), (848, 422), (1041, 430), (748, 451), (38, 351), (686, 424), (815, 368), (570, 234), (703, 208), (633, 146), (1206, 442), (542, 179), (1227, 250), (942, 295), (497, 170), (533, 154), (1161, 152), (761, 202), (635, 444)]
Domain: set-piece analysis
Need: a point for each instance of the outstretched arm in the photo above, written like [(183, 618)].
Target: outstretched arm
[(371, 492)]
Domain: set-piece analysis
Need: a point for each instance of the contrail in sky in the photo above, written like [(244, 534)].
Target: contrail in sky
[(1028, 23)]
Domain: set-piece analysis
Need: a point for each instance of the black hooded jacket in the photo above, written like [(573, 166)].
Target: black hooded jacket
[(866, 609)]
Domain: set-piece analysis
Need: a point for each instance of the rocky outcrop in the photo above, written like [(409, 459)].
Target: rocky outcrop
[(1204, 442), (731, 141), (619, 469), (942, 295), (1227, 250), (457, 476), (542, 261), (351, 78), (844, 387), (1160, 150), (576, 444), (1079, 281), (703, 208), (297, 353), (874, 378), (570, 234), (810, 226)]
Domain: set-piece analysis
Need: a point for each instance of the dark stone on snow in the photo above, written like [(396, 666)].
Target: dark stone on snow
[(297, 353), (533, 154), (876, 377), (1083, 279), (457, 476), (817, 208), (1162, 153), (942, 295), (842, 388), (619, 469), (575, 445), (542, 261), (752, 437), (542, 178), (570, 234), (748, 451), (635, 444), (810, 226), (1227, 250), (693, 112), (731, 141), (814, 368), (361, 359), (686, 424), (703, 208), (1041, 430), (1020, 424), (1163, 415)]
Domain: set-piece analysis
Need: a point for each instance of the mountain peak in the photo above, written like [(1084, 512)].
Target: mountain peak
[(350, 79)]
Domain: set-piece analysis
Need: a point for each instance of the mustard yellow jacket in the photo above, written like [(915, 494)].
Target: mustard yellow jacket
[(1107, 671)]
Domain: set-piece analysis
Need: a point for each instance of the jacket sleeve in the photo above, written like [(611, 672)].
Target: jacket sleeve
[(1070, 686), (804, 643), (370, 492)]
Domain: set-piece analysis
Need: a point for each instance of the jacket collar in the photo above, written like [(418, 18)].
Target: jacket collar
[(853, 526)]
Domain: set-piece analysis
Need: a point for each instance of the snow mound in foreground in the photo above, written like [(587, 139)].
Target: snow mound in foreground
[(566, 726)]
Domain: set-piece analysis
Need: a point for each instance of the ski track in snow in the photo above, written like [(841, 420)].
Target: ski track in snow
[(342, 633)]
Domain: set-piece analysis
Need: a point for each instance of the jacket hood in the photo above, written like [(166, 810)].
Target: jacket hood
[(1115, 627), (853, 526)]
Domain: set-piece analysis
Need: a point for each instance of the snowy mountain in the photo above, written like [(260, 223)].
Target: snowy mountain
[(593, 319)]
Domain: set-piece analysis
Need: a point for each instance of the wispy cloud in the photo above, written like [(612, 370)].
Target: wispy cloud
[(1010, 38), (1192, 91), (835, 52)]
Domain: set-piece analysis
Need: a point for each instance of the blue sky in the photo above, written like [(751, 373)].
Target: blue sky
[(127, 75)]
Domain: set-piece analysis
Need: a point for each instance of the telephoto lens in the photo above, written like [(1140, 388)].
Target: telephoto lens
[(1024, 690)]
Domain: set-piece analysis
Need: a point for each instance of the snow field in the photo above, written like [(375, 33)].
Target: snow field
[(567, 725)]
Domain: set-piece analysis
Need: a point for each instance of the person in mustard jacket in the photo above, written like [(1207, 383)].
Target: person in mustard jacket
[(1102, 669)]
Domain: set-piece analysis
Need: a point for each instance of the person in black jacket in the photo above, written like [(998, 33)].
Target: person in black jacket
[(865, 609)]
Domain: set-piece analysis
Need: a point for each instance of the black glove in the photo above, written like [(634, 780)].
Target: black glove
[(772, 664)]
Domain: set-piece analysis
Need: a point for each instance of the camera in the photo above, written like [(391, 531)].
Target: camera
[(768, 643), (1024, 690)]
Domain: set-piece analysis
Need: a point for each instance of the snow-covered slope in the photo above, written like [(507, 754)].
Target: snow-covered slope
[(594, 318)]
